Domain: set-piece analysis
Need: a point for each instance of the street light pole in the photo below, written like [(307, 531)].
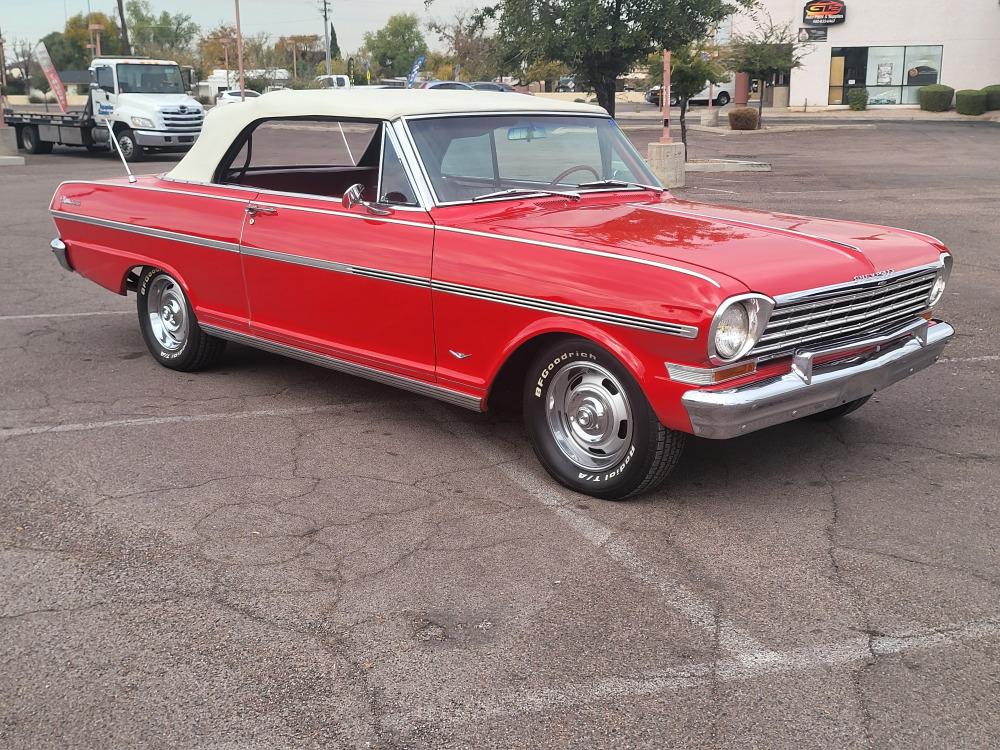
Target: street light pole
[(326, 34), (239, 51)]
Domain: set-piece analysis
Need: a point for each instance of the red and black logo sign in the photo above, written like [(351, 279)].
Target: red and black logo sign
[(824, 13)]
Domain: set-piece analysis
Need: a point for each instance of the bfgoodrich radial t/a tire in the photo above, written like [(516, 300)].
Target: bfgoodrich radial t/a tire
[(168, 325), (591, 426)]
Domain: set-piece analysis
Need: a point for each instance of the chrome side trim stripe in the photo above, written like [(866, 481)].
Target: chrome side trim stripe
[(330, 265), (572, 311), (582, 251), (350, 368), (160, 234)]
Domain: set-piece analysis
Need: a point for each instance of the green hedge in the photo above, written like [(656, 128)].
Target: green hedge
[(743, 118), (858, 99), (935, 98), (970, 102), (992, 97)]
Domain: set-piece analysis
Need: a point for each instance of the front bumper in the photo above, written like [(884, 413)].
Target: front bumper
[(160, 139), (737, 411), (59, 250)]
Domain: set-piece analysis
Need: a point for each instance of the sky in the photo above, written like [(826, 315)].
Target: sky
[(352, 18)]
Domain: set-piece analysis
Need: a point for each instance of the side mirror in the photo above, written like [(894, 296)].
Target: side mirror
[(94, 86), (352, 196)]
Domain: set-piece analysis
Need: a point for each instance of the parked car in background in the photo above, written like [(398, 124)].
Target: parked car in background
[(233, 96), (446, 85), (470, 246), (337, 81), (492, 86), (722, 94), (566, 84)]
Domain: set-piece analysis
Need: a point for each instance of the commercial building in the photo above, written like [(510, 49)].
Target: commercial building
[(890, 47)]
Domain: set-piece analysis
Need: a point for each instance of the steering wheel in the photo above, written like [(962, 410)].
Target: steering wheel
[(567, 172)]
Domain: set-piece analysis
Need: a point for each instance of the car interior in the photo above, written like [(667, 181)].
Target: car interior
[(314, 156)]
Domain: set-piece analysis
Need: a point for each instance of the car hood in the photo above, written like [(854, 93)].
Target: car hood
[(152, 103), (770, 253)]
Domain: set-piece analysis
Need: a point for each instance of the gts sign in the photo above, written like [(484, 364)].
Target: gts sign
[(824, 13)]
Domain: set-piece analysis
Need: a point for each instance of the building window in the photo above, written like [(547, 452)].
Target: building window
[(892, 75)]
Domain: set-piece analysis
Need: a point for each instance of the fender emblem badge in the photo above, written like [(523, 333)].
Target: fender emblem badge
[(458, 355), (69, 201)]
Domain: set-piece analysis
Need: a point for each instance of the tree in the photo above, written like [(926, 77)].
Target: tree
[(334, 46), (218, 47), (299, 49), (395, 46), (163, 35), (67, 53), (77, 32), (602, 39), (547, 71), (468, 43), (691, 70), (765, 52)]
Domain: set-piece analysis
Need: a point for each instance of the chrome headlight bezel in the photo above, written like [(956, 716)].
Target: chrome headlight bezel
[(758, 308), (940, 281)]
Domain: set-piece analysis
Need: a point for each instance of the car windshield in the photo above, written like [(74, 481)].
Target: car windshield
[(474, 156), (136, 78)]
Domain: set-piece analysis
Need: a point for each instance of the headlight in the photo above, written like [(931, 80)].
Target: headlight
[(940, 282), (143, 122), (737, 326)]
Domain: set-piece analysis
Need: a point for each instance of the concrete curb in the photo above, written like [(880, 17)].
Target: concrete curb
[(726, 165), (11, 161), (775, 129)]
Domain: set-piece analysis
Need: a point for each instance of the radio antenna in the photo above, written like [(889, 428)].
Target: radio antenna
[(118, 147)]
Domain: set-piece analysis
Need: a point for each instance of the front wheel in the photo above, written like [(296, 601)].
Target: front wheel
[(723, 99), (131, 150), (168, 325), (591, 426)]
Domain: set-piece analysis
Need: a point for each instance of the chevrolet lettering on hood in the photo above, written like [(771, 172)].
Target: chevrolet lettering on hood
[(876, 275), (471, 246)]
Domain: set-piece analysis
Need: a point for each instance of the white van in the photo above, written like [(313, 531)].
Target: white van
[(334, 82)]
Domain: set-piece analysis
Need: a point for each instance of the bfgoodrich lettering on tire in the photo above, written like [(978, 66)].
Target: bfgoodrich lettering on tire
[(591, 426), (168, 325)]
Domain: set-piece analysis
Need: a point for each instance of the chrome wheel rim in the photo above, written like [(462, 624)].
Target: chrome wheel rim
[(589, 416), (127, 146), (167, 310)]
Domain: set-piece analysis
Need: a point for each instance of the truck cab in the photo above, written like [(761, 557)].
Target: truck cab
[(336, 81), (148, 103)]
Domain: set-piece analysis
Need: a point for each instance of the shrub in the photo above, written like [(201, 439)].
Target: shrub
[(992, 97), (935, 98), (970, 102), (36, 98), (743, 118), (858, 99)]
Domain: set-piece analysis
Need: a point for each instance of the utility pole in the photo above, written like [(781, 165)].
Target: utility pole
[(121, 16), (665, 98), (239, 52), (326, 34), (3, 78)]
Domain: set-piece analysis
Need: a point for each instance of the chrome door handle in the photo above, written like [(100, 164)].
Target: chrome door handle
[(253, 209)]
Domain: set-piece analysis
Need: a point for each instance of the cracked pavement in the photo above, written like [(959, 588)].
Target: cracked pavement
[(272, 555)]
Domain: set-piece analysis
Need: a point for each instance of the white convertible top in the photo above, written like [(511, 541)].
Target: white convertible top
[(223, 124)]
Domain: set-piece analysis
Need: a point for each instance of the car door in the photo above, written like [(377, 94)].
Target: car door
[(350, 282)]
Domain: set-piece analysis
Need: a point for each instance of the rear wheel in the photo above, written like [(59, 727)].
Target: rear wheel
[(131, 150), (840, 411), (591, 425), (723, 98), (32, 143), (169, 327)]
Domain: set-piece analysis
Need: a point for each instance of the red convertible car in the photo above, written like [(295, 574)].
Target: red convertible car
[(464, 244)]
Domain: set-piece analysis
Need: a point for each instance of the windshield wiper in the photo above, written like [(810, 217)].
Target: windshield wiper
[(527, 191), (619, 183)]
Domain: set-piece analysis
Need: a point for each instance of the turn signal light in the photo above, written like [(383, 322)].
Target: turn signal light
[(707, 375)]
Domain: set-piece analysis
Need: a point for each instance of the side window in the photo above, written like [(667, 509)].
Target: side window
[(105, 79), (395, 187), (309, 156)]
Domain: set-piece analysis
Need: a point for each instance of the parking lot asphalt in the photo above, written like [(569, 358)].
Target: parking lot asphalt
[(272, 555)]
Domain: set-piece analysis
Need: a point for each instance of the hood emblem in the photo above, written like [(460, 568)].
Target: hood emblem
[(182, 109), (876, 275), (68, 201)]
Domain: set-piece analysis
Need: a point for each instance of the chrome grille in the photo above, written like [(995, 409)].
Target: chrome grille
[(844, 313), (188, 122)]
